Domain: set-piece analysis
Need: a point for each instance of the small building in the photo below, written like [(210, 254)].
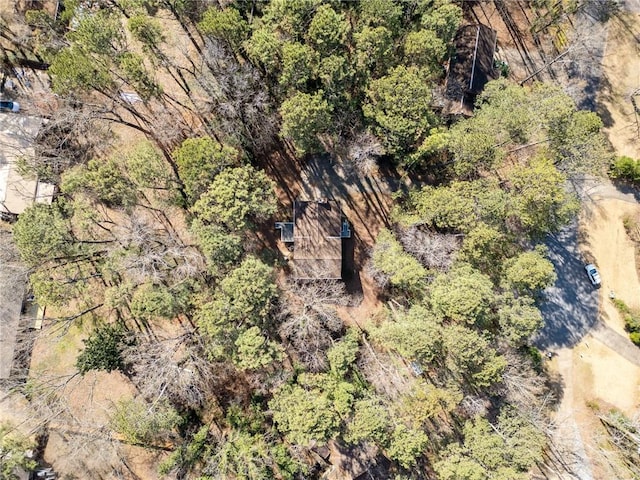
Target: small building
[(17, 137), (471, 66), (316, 232)]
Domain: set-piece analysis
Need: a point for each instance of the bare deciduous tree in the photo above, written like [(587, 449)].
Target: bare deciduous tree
[(241, 102), (172, 368), (309, 319), (384, 371), (149, 251), (433, 250), (473, 405), (70, 136), (522, 386), (363, 151)]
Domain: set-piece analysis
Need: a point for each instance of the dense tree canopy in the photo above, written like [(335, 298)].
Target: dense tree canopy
[(530, 272), (432, 373), (102, 350), (304, 117), (395, 266), (41, 234), (102, 179), (463, 295), (243, 300), (400, 105), (413, 334), (305, 415), (236, 197), (199, 160), (226, 24), (506, 451)]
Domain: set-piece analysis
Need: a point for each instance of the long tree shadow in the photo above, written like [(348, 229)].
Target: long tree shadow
[(627, 188), (570, 306), (350, 266)]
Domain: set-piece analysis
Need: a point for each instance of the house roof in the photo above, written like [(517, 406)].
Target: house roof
[(318, 246), (471, 66), (17, 135)]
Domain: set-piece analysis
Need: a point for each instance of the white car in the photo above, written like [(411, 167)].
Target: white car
[(594, 276)]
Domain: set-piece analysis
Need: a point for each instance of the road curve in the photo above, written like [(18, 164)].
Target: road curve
[(570, 306)]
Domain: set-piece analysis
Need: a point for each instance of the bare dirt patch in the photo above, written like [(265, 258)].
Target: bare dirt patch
[(607, 241), (621, 77), (595, 362), (590, 388), (78, 436)]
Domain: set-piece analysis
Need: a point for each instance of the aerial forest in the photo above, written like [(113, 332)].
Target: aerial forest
[(174, 123)]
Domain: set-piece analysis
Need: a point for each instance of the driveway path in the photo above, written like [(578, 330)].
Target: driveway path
[(616, 342), (570, 306), (570, 310)]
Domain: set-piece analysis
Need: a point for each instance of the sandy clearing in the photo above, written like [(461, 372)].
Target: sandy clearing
[(601, 375), (606, 240), (568, 436), (621, 67), (595, 378)]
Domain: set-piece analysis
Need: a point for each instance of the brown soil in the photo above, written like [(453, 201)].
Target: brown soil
[(621, 78), (525, 53), (78, 438)]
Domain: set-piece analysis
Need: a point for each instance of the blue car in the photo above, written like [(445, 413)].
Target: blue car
[(9, 106)]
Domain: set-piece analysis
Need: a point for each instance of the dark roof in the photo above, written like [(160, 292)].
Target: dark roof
[(318, 246), (471, 65)]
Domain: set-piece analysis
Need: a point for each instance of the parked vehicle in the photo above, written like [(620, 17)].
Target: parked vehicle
[(594, 276), (8, 106)]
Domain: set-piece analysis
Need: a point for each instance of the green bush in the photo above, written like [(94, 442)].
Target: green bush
[(635, 338), (631, 320), (621, 306), (626, 168)]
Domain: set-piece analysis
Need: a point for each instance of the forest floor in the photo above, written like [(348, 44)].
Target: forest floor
[(602, 371)]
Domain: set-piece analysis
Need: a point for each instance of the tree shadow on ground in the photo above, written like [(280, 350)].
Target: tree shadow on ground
[(605, 89), (627, 188), (570, 306)]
